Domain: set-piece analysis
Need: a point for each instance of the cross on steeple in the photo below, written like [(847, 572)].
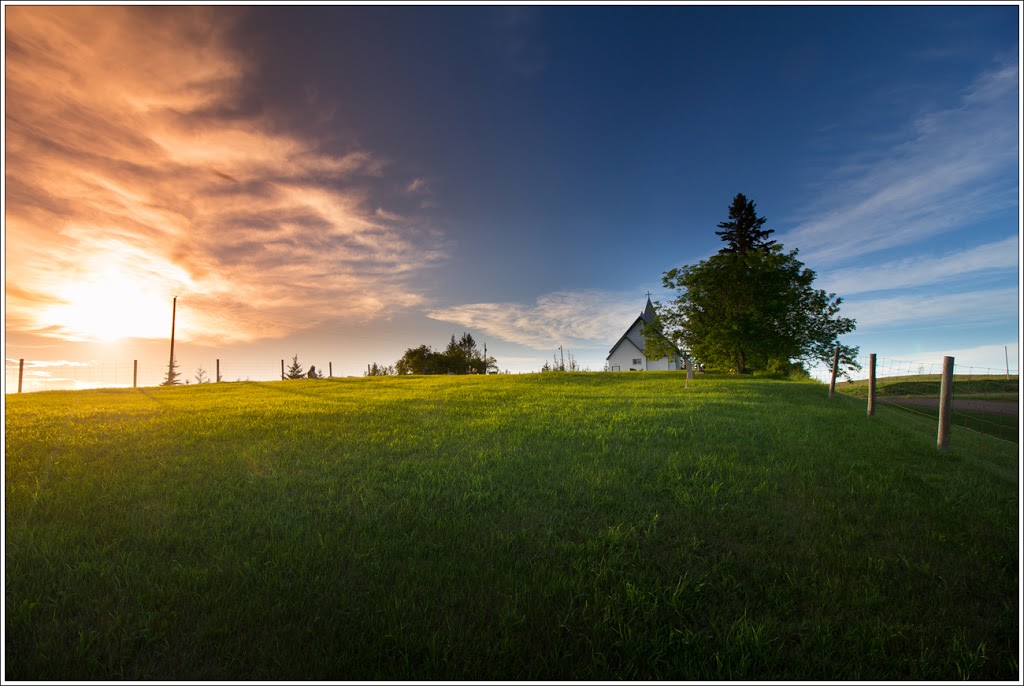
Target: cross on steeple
[(648, 295)]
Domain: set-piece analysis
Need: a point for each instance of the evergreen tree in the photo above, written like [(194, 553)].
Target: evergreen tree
[(468, 345), (744, 231), (294, 370), (462, 356), (172, 375), (752, 306)]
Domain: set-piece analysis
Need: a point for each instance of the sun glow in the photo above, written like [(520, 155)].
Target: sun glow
[(110, 305)]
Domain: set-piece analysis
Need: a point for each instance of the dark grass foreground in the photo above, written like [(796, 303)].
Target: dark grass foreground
[(581, 526)]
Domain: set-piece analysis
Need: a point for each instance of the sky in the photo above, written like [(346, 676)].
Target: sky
[(343, 183)]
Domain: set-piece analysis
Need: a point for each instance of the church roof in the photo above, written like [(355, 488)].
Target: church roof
[(646, 316)]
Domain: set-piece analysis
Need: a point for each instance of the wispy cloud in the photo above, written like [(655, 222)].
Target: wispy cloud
[(416, 185), (581, 318), (955, 166), (133, 174), (921, 271), (908, 311)]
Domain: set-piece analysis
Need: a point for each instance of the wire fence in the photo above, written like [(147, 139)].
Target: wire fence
[(29, 376), (888, 367), (985, 400)]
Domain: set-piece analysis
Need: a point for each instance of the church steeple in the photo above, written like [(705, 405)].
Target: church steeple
[(648, 314), (629, 351)]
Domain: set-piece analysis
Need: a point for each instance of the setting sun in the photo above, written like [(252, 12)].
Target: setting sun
[(108, 306)]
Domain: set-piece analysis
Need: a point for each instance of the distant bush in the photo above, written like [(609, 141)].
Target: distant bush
[(784, 369)]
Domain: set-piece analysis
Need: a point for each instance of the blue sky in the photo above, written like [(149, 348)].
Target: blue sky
[(343, 183)]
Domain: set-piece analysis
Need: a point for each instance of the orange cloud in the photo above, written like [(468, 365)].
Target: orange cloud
[(133, 176)]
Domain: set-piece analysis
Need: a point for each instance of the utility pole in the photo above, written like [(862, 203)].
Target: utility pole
[(485, 359), (1006, 357), (170, 365), (562, 353)]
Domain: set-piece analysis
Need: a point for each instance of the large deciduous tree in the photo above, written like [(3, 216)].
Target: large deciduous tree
[(421, 360), (752, 306)]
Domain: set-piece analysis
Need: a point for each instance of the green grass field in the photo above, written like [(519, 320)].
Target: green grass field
[(534, 527)]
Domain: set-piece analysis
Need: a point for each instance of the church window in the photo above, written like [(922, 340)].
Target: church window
[(637, 360)]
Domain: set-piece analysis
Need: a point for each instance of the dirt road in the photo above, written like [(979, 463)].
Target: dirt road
[(968, 404)]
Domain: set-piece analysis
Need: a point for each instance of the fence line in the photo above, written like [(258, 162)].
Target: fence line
[(23, 375), (976, 439), (923, 381), (888, 367), (43, 375)]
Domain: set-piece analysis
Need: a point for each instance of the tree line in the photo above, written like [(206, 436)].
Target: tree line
[(461, 356)]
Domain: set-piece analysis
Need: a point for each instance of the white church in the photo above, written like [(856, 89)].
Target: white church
[(628, 353)]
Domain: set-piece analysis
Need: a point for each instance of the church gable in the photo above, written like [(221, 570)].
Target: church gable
[(635, 334), (628, 352)]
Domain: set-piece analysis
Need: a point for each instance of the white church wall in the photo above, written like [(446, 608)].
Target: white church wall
[(624, 358), (662, 365), (630, 353)]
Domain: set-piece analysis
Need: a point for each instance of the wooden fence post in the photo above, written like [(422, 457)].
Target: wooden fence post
[(282, 370), (835, 368), (330, 371), (21, 372), (217, 378), (945, 402), (135, 374), (871, 385)]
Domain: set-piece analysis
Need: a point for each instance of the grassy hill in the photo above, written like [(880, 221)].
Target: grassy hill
[(558, 526)]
